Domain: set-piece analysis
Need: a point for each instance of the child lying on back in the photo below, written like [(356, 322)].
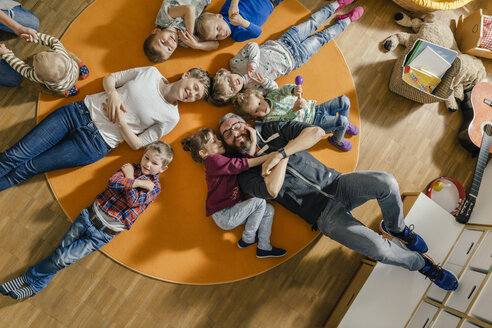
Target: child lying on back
[(225, 201), (56, 70), (286, 104), (259, 66)]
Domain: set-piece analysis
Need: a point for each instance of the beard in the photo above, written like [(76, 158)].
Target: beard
[(242, 147)]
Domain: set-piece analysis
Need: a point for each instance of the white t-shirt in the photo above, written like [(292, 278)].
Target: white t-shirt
[(148, 114)]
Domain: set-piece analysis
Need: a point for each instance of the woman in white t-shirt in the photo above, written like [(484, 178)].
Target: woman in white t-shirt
[(138, 106)]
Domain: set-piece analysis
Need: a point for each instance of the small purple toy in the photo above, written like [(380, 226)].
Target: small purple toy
[(299, 80)]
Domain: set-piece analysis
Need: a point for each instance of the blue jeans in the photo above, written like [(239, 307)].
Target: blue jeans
[(275, 3), (337, 222), (326, 116), (8, 76), (81, 239), (299, 41), (257, 215), (66, 138)]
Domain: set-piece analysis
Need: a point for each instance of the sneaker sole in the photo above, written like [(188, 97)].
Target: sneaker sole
[(264, 257)]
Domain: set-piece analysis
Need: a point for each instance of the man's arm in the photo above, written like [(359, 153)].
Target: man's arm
[(19, 30), (275, 180), (308, 137)]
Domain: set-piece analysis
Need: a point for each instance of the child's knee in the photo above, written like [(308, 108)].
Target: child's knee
[(269, 210), (343, 121), (344, 102)]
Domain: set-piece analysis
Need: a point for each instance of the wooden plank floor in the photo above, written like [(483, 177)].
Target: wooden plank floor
[(416, 143)]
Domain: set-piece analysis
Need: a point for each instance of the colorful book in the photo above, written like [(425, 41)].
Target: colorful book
[(447, 54), (412, 54), (430, 61), (420, 79)]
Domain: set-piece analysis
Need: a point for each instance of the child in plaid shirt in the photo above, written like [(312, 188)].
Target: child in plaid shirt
[(130, 191)]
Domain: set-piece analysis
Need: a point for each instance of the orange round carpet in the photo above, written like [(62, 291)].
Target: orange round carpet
[(173, 240)]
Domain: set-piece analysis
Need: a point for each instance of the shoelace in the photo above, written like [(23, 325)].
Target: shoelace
[(410, 235), (434, 272)]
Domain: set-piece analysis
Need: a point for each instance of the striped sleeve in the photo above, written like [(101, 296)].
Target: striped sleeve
[(21, 67), (51, 42)]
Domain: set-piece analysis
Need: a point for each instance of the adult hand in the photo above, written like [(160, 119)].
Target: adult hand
[(27, 33), (270, 163), (113, 104), (128, 170), (188, 39), (252, 133)]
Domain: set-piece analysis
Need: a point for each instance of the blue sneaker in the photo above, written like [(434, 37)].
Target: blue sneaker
[(441, 277), (275, 252), (409, 238)]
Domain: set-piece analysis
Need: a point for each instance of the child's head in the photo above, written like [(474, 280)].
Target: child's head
[(251, 104), (202, 143), (160, 45), (51, 66), (225, 86), (211, 26), (193, 85), (156, 158)]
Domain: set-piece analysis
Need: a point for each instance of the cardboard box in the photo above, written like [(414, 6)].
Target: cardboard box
[(469, 35)]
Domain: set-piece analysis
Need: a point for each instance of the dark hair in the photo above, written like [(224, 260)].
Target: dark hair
[(152, 55), (195, 142)]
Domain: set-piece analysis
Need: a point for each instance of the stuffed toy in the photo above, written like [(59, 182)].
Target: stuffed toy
[(430, 29)]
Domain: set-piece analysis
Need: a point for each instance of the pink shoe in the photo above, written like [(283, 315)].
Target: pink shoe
[(354, 15), (352, 130), (343, 3), (343, 145)]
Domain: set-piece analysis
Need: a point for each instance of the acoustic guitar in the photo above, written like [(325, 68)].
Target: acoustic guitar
[(480, 132)]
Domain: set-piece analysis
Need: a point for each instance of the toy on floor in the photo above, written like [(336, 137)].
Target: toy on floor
[(430, 29)]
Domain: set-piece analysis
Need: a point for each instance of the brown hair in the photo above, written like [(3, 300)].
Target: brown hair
[(195, 142), (150, 52), (165, 151), (241, 99)]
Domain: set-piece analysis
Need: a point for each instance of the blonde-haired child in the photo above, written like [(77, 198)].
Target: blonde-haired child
[(286, 104), (225, 201), (56, 70)]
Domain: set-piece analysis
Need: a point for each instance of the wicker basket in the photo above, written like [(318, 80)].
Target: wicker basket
[(441, 92), (421, 6)]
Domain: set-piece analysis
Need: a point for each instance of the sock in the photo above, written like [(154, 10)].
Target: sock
[(83, 71), (22, 293), (72, 91), (12, 285)]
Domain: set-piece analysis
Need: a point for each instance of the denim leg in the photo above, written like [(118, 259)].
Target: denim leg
[(66, 138), (8, 76), (251, 212), (21, 16), (356, 188), (81, 239), (337, 222), (326, 116), (275, 3), (302, 31)]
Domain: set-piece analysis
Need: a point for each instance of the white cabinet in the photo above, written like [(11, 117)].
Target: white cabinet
[(482, 309), (423, 316), (446, 320), (482, 259), (469, 284), (465, 246)]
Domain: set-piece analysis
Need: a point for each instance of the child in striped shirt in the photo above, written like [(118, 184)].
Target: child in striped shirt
[(128, 194), (56, 70)]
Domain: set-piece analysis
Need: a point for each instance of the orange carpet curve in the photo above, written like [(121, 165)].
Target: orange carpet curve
[(173, 240)]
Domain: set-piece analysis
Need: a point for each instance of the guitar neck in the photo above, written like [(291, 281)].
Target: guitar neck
[(481, 163)]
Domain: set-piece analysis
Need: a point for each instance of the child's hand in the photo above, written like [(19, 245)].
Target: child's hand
[(298, 105), (3, 49), (144, 184), (256, 77), (233, 10), (298, 91), (188, 39), (127, 170), (27, 33), (238, 20)]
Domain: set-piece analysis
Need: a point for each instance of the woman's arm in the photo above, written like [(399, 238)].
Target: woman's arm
[(24, 32)]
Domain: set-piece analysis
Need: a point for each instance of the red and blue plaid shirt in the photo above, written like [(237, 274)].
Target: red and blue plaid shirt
[(124, 203)]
